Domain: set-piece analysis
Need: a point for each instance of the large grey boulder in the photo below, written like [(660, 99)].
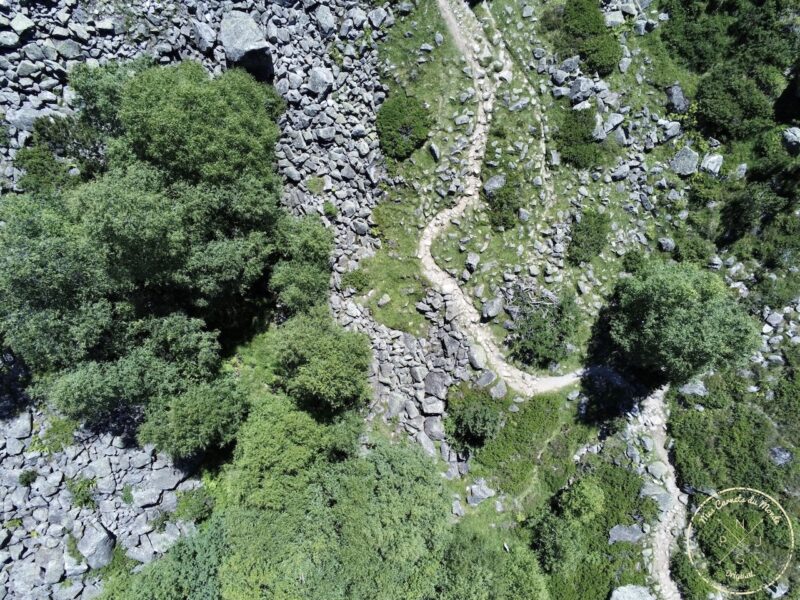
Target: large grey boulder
[(780, 456), (325, 20), (245, 45), (20, 427), (8, 39), (96, 545), (791, 137), (493, 184), (631, 592), (204, 35), (614, 18), (21, 24), (684, 163), (676, 99), (436, 383), (320, 80), (491, 308), (712, 163), (478, 492), (625, 533)]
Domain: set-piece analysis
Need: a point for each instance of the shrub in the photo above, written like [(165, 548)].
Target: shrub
[(195, 128), (82, 490), (403, 125), (674, 320), (358, 280), (575, 141), (27, 478), (543, 331), (602, 53), (474, 417), (505, 202), (59, 434), (321, 365), (587, 34), (205, 416), (589, 236), (730, 105), (195, 505)]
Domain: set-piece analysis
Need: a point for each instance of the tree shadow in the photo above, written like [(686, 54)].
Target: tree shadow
[(14, 378)]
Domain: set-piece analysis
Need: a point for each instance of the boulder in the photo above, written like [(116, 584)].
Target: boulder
[(436, 383), (493, 184), (477, 358), (491, 308), (694, 388), (320, 80), (21, 24), (325, 20), (204, 35), (666, 244), (631, 592), (684, 163), (791, 138), (625, 533), (712, 163), (20, 427), (8, 39), (780, 456), (478, 492), (96, 545), (614, 18), (245, 45), (472, 262), (676, 99)]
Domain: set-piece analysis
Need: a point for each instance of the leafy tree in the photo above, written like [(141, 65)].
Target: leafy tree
[(675, 320), (474, 417), (321, 365), (199, 129), (403, 125), (589, 236), (543, 331)]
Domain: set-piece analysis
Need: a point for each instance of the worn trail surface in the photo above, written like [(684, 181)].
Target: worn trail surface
[(469, 37)]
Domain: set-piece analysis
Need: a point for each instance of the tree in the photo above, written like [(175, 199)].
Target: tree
[(674, 321), (198, 128), (543, 331), (403, 125), (474, 417), (321, 365)]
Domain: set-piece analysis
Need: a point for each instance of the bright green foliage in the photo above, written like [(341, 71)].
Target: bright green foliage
[(322, 366), (586, 34), (477, 567), (403, 125), (82, 490), (474, 417), (200, 129), (584, 500), (674, 320), (543, 331), (59, 434), (589, 236), (575, 141), (194, 505), (505, 202), (205, 416)]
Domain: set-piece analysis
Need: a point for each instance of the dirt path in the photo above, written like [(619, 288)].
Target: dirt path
[(468, 36), (653, 422)]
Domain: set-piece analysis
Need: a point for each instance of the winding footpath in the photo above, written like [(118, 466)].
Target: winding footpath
[(470, 39), (468, 36)]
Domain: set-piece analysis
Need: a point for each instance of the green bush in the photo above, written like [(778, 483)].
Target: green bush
[(602, 53), (82, 490), (403, 125), (575, 141), (589, 236), (544, 330), (195, 505), (730, 105), (474, 417), (585, 33), (675, 320), (27, 478), (200, 129), (358, 280), (505, 203), (321, 365), (205, 416), (59, 434)]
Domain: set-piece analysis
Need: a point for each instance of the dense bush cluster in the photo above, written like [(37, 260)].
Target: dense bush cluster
[(121, 284), (504, 203), (474, 417), (403, 125), (575, 140), (674, 321), (589, 236), (544, 330), (579, 28)]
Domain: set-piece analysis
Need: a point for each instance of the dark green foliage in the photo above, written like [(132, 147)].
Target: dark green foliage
[(195, 505), (322, 365), (44, 174), (403, 125), (505, 203), (674, 320), (730, 105), (27, 478), (478, 567), (199, 129), (589, 236), (543, 331), (205, 416), (585, 33), (474, 417), (358, 280), (188, 571), (693, 248), (574, 139)]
